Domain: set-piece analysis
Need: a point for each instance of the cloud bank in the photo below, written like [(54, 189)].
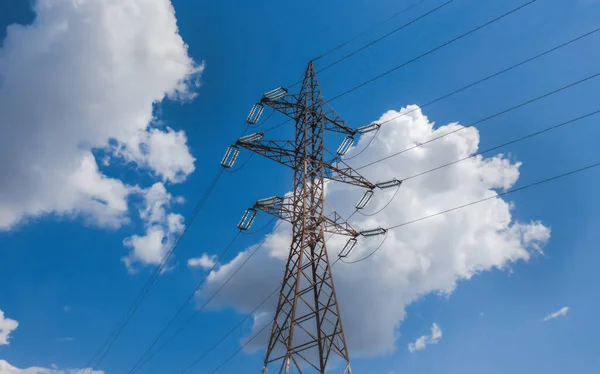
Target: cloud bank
[(431, 256), (80, 81)]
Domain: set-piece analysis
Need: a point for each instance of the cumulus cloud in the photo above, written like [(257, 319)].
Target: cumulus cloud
[(6, 368), (84, 77), (7, 326), (162, 229), (430, 256), (205, 262), (422, 342), (562, 312)]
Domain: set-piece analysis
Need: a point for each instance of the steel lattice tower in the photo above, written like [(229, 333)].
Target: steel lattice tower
[(307, 331)]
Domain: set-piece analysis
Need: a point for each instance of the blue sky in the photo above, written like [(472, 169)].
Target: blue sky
[(63, 281)]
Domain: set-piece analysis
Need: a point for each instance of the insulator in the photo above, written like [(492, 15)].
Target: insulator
[(275, 94), (270, 201), (389, 184), (374, 232), (255, 113), (247, 219), (251, 138), (230, 156), (345, 146), (368, 128), (365, 199), (350, 244)]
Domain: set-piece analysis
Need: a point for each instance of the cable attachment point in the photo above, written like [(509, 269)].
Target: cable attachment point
[(230, 156), (251, 138), (255, 114), (389, 184), (345, 146), (350, 244), (374, 232), (362, 203), (275, 94), (269, 201), (368, 128), (247, 219)]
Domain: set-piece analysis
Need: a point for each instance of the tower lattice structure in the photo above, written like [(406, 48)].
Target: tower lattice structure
[(307, 332)]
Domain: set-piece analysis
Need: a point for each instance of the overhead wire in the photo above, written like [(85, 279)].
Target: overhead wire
[(507, 192), (530, 135), (186, 302), (108, 344), (473, 84), (439, 47), (472, 31), (497, 114), (413, 21), (147, 356), (394, 15)]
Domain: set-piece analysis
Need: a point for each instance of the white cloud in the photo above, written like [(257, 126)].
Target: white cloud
[(422, 342), (85, 76), (7, 326), (562, 312), (204, 261), (430, 256), (162, 229), (6, 368)]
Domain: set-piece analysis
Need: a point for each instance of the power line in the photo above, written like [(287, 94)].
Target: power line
[(341, 45), (440, 47), (482, 120), (413, 21), (498, 195), (473, 84), (108, 344), (432, 50), (240, 323), (531, 135), (483, 200), (139, 364), (184, 304), (241, 348)]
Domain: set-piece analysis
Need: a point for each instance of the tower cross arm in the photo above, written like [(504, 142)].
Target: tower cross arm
[(333, 122), (346, 174), (284, 210), (279, 151)]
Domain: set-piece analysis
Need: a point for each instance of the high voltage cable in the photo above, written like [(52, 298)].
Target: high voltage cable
[(472, 31), (185, 303), (481, 120), (223, 338), (143, 360), (445, 45), (370, 44), (415, 20), (531, 135), (341, 45), (483, 200), (473, 84), (498, 195), (107, 345), (241, 348)]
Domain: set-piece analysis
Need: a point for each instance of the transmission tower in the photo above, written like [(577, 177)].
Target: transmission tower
[(307, 332)]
